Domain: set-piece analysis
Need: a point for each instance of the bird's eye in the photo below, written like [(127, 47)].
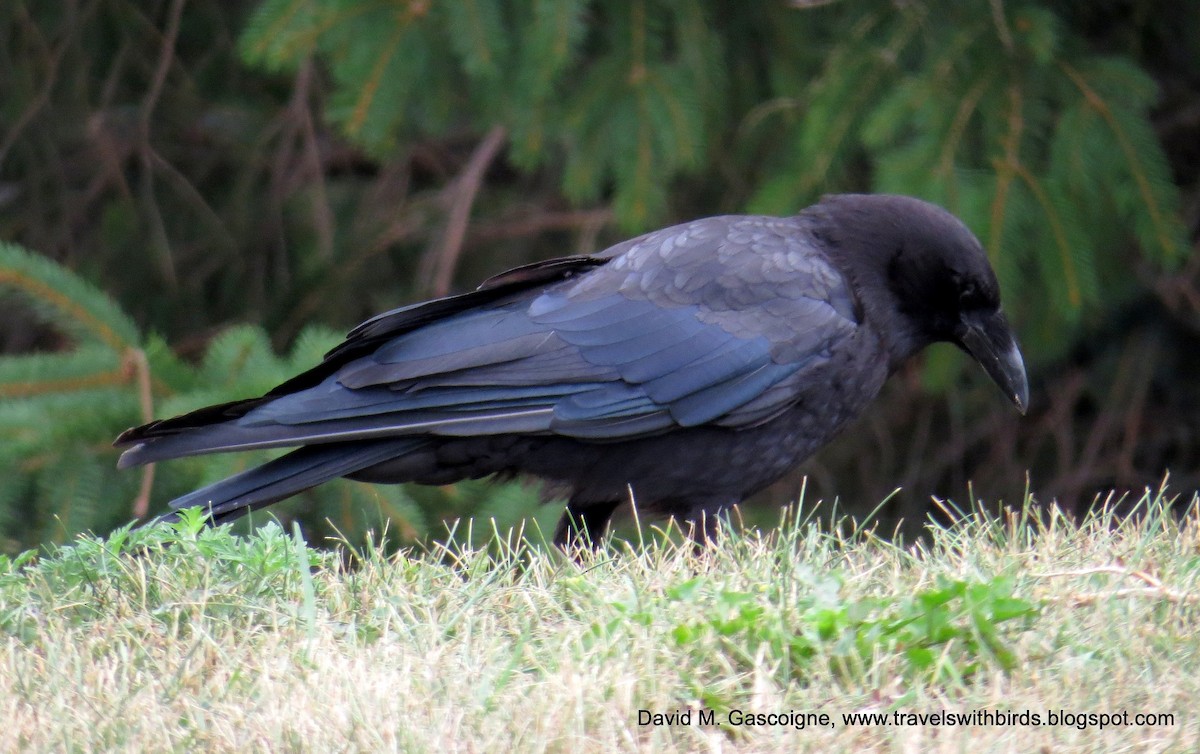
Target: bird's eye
[(968, 293)]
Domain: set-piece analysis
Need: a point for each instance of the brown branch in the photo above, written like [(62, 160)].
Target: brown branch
[(135, 359), (54, 59), (1005, 172), (154, 214), (65, 384), (162, 69), (440, 263), (1180, 292), (190, 193), (1136, 409), (1002, 30), (283, 181), (322, 215), (78, 20), (35, 105), (536, 224)]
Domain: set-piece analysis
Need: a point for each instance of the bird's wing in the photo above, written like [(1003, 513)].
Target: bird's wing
[(391, 324), (366, 337), (709, 322)]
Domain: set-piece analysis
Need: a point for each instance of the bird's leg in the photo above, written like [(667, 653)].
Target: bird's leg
[(706, 522), (583, 524)]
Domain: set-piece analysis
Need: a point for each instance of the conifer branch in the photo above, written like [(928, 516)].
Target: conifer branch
[(1131, 157), (70, 309)]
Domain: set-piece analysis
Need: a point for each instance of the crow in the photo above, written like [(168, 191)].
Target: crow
[(686, 368)]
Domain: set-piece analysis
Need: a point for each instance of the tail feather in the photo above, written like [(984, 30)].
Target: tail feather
[(217, 438), (287, 475)]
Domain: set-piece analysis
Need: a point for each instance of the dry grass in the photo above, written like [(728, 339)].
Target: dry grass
[(259, 644)]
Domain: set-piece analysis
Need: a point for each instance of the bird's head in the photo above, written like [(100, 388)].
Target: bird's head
[(922, 277)]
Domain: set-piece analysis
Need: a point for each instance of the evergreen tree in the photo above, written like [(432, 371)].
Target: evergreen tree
[(1030, 119)]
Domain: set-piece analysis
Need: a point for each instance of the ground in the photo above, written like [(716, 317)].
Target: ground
[(262, 643)]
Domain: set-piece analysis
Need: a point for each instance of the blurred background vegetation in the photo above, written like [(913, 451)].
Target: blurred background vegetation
[(198, 196)]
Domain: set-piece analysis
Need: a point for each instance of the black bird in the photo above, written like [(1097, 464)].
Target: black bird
[(689, 367)]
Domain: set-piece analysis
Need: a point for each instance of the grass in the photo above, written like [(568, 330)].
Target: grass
[(182, 639)]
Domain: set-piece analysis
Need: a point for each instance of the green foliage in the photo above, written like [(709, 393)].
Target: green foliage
[(624, 90), (949, 631), (88, 573), (1043, 148), (999, 112), (943, 633), (60, 410), (215, 195), (56, 406)]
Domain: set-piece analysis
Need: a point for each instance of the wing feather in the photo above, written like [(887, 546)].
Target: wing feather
[(700, 324)]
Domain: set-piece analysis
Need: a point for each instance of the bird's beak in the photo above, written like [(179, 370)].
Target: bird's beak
[(988, 338)]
